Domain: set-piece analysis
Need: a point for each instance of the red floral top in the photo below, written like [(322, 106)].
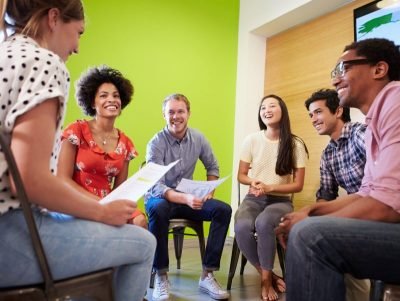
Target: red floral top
[(95, 169)]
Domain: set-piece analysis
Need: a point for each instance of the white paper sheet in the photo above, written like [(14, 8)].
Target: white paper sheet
[(199, 188), (138, 184)]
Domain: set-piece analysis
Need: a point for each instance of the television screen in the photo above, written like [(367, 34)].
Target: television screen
[(378, 19)]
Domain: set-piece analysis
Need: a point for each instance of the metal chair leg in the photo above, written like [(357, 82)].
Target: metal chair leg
[(376, 292), (200, 235), (281, 257), (233, 264), (178, 244), (152, 278), (243, 264)]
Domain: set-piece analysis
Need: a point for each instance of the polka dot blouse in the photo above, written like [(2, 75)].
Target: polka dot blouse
[(29, 75)]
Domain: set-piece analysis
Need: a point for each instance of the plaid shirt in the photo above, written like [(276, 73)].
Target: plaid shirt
[(342, 162)]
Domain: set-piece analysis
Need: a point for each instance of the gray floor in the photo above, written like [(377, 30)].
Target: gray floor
[(184, 282)]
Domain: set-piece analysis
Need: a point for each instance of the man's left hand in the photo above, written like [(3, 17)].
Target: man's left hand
[(287, 222)]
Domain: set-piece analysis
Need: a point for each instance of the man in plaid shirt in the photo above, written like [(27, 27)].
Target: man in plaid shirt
[(342, 161)]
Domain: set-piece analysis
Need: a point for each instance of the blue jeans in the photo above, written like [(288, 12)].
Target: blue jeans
[(322, 249), (160, 211), (73, 247)]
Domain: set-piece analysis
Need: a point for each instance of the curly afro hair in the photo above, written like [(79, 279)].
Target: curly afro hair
[(89, 83)]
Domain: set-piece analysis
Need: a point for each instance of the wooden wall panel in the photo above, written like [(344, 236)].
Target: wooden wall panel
[(298, 62)]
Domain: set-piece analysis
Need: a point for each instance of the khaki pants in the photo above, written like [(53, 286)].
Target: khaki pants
[(356, 289)]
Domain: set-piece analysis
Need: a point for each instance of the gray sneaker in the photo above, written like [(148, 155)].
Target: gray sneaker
[(210, 286), (161, 289)]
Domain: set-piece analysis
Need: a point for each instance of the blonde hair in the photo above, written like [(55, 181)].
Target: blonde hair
[(23, 16), (176, 96)]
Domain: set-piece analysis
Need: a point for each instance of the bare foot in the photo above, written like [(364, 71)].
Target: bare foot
[(267, 291), (278, 283)]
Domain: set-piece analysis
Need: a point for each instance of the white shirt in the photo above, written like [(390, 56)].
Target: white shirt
[(29, 75)]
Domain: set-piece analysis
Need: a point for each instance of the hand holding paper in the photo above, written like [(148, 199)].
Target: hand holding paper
[(138, 184), (199, 188)]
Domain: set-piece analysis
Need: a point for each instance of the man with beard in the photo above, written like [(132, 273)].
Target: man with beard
[(163, 201)]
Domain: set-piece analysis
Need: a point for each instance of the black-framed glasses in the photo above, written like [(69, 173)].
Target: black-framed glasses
[(341, 68)]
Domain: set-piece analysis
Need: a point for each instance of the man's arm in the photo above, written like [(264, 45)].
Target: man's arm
[(208, 158), (350, 206), (326, 208), (155, 154), (320, 208), (368, 208), (329, 187), (355, 206)]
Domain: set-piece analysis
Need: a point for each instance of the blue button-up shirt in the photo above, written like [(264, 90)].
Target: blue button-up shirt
[(164, 148)]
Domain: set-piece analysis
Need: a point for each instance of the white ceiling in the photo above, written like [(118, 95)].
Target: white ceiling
[(303, 11)]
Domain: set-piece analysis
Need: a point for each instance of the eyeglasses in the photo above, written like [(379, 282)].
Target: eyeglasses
[(341, 68)]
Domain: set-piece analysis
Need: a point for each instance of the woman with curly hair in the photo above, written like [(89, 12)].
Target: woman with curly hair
[(95, 155)]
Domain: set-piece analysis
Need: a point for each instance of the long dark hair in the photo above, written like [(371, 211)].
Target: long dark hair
[(287, 141)]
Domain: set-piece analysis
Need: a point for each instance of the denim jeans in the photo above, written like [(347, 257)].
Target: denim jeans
[(160, 211), (322, 249), (73, 247)]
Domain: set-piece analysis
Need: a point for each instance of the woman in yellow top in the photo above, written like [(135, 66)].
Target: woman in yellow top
[(272, 163)]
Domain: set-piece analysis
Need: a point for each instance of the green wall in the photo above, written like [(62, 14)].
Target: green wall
[(164, 47)]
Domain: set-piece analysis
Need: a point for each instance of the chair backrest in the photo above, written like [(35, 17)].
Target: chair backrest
[(26, 207)]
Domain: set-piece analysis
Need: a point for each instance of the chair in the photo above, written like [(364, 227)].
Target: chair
[(236, 253), (177, 228), (381, 291), (91, 286)]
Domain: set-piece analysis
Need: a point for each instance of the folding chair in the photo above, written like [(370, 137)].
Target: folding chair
[(91, 286), (381, 291), (236, 253)]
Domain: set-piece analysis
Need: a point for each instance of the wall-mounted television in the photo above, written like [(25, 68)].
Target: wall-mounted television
[(378, 19)]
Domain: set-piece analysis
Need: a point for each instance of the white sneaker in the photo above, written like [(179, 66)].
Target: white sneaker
[(161, 289), (210, 286)]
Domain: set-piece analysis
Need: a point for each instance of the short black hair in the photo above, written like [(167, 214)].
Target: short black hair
[(331, 100), (89, 83), (376, 50)]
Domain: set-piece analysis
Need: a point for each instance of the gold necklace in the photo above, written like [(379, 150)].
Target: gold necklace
[(104, 139), (98, 133)]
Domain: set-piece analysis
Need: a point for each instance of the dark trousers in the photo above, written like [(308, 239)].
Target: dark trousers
[(160, 211)]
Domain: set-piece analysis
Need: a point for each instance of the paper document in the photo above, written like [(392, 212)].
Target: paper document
[(138, 184), (199, 188)]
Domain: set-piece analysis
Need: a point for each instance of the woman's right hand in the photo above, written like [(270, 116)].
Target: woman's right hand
[(254, 188), (116, 213)]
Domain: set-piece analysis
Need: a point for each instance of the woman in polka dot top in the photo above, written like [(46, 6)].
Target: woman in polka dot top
[(94, 154), (34, 85)]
